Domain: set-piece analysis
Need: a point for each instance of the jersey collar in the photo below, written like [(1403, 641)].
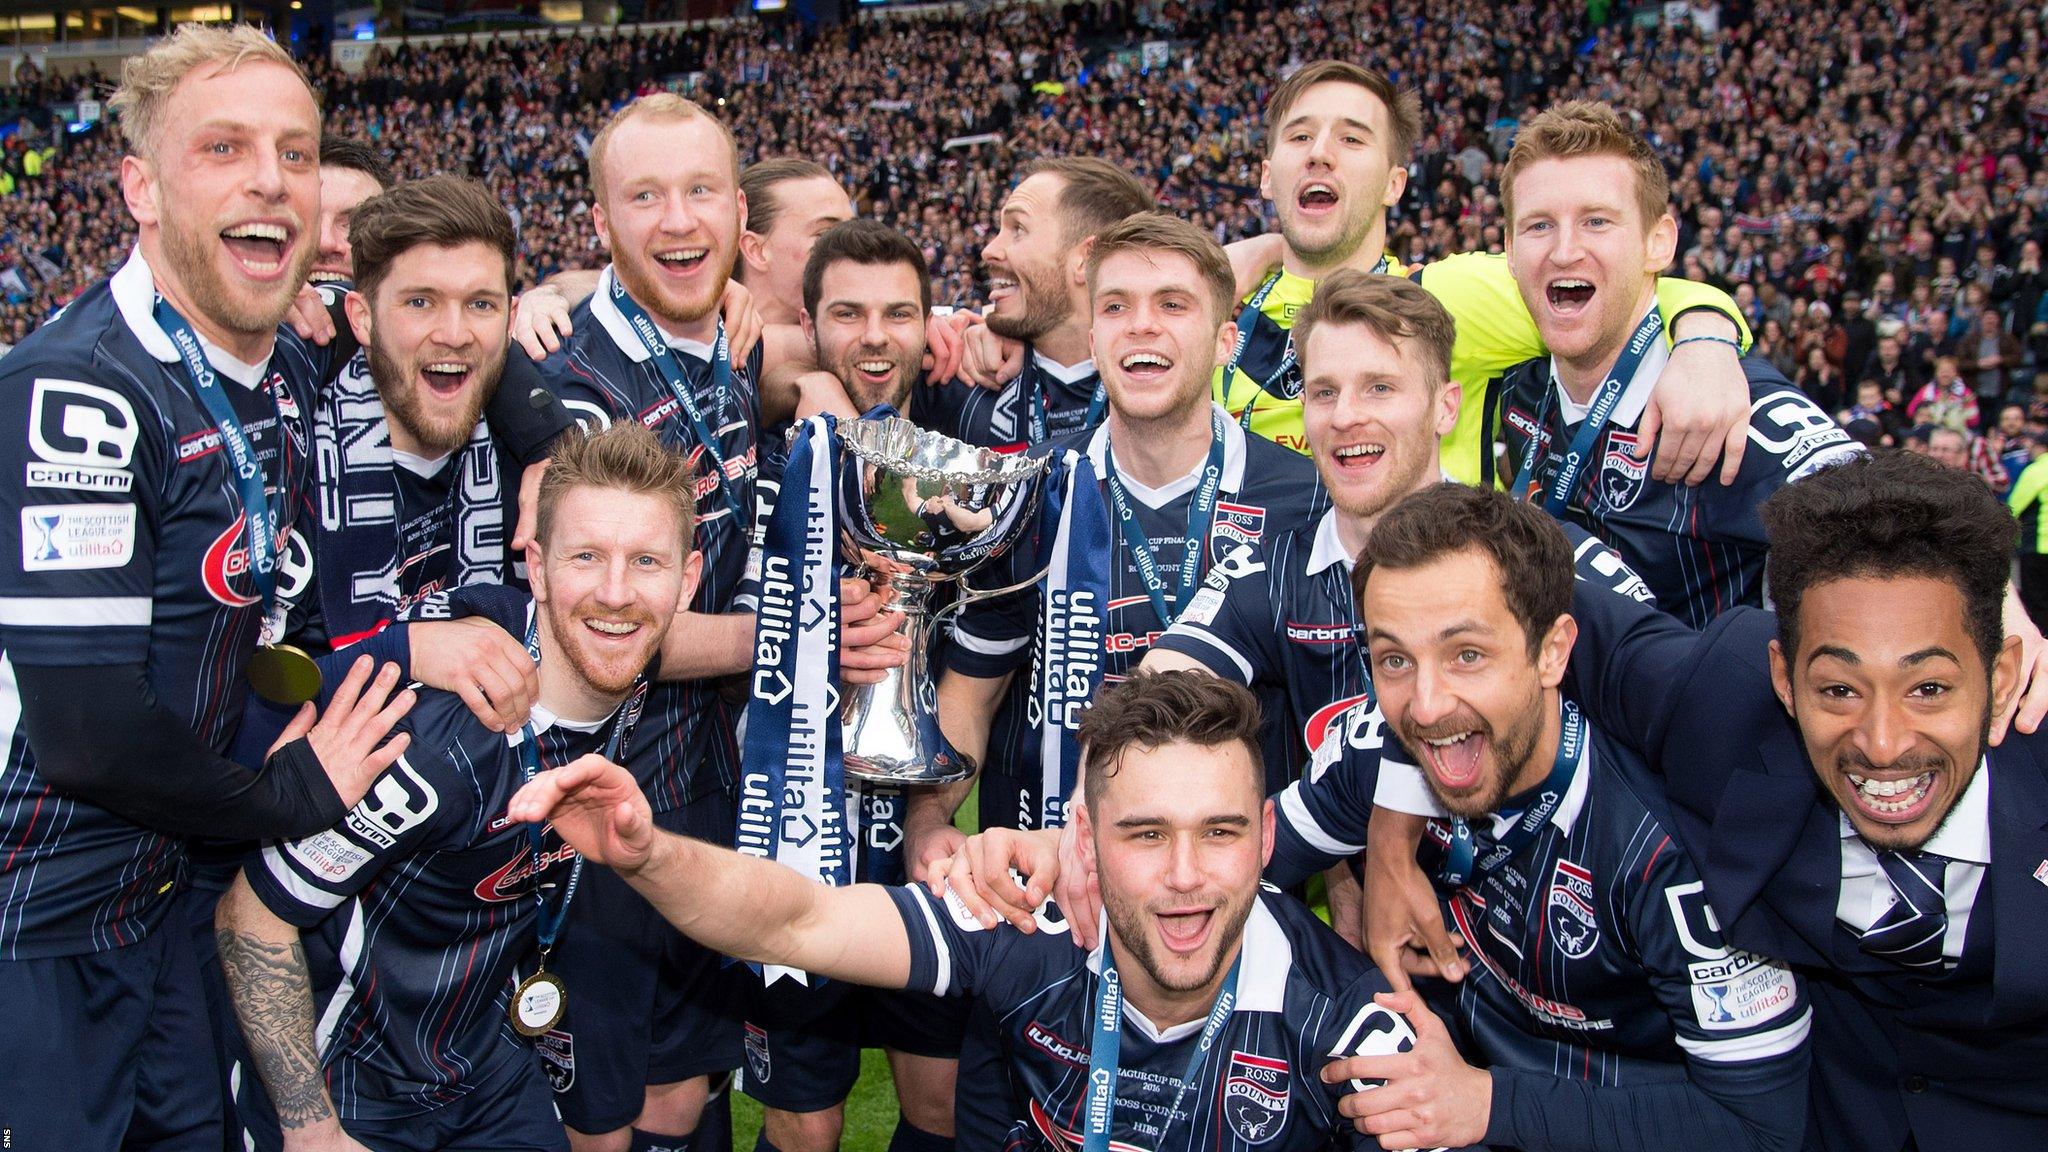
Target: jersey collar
[(1233, 465), (1327, 549), (1634, 398), (1261, 980), (1966, 834), (1567, 813), (134, 289), (621, 332), (1064, 373)]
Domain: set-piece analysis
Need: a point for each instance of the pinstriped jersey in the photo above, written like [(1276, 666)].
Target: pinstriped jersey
[(1288, 621), (684, 746), (417, 908), (1595, 955), (1000, 418), (1700, 548), (1265, 489), (124, 542), (1304, 997)]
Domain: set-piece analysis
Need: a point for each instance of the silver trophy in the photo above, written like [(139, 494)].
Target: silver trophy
[(915, 510)]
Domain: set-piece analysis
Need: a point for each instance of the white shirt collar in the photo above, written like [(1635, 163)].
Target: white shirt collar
[(1233, 465), (621, 331), (1966, 834), (1328, 549), (1064, 373), (1634, 398), (134, 289), (1268, 959)]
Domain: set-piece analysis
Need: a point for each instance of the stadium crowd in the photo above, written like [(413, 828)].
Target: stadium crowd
[(441, 717), (1803, 139)]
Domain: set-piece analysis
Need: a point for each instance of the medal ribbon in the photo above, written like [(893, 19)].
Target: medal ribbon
[(1068, 657), (1564, 485), (548, 927), (1247, 321), (671, 372), (1459, 866), (1105, 1051), (259, 518), (1201, 517), (793, 806)]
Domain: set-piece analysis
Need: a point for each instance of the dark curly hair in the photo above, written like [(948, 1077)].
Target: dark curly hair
[(1888, 515)]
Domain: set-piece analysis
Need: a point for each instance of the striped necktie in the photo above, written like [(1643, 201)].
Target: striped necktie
[(1910, 932)]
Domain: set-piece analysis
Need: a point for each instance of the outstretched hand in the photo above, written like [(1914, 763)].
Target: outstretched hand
[(596, 807)]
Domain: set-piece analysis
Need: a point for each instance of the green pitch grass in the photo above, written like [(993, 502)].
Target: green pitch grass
[(871, 1109)]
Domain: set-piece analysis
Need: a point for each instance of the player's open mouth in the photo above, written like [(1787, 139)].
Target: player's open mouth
[(1357, 459), (876, 371), (1455, 759), (1317, 197), (681, 261), (1568, 296), (1185, 931), (445, 378), (259, 246), (613, 629), (1899, 801), (1145, 365), (322, 276), (1001, 288)]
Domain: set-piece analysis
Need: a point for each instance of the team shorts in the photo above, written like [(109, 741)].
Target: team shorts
[(803, 1044), (110, 1050)]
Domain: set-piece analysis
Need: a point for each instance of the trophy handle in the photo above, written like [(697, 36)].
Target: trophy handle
[(970, 595)]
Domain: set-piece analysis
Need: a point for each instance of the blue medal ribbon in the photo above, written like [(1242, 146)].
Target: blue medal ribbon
[(1460, 868), (1564, 485), (672, 373), (1038, 405), (1247, 321), (548, 925), (1201, 517), (259, 518), (1105, 1052)]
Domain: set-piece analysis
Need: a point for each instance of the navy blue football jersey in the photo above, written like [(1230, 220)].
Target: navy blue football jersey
[(999, 418), (124, 541), (685, 747), (418, 908), (1287, 620), (1304, 997), (1701, 548), (1596, 956), (1266, 491)]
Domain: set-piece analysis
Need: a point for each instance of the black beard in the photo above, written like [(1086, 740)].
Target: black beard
[(400, 395)]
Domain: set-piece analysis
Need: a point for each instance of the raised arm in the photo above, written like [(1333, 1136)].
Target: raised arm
[(747, 908)]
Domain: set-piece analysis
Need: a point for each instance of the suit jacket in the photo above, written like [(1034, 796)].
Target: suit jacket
[(1953, 1062)]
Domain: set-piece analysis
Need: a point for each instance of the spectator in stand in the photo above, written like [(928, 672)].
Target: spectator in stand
[(1821, 380), (1871, 405), (1988, 357), (1949, 447), (1946, 400), (1887, 368)]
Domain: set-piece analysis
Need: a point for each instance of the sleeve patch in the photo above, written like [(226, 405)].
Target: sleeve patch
[(67, 537), (1202, 607), (329, 857), (1755, 991)]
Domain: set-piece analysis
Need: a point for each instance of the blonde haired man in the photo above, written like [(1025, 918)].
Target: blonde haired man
[(161, 436)]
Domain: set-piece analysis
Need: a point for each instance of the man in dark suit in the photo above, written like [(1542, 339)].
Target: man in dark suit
[(1831, 770)]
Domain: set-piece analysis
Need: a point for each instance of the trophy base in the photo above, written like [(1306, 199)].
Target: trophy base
[(907, 772)]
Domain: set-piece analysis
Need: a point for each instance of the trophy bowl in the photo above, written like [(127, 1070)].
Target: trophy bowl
[(917, 509)]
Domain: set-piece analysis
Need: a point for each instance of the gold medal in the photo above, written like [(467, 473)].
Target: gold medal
[(537, 1003), (284, 675)]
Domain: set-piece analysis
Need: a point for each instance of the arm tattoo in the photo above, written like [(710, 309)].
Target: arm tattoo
[(274, 999)]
